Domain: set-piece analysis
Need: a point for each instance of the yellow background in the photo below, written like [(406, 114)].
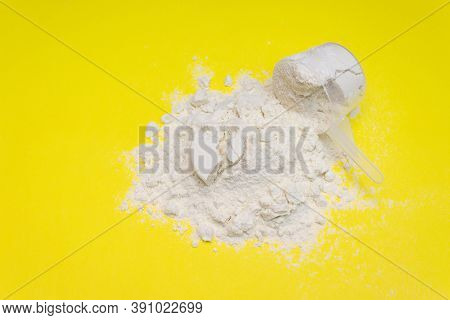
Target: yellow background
[(64, 125)]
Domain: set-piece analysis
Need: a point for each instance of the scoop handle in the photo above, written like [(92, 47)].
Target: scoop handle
[(338, 134)]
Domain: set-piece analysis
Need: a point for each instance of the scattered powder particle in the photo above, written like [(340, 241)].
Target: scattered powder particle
[(152, 129), (167, 118), (204, 81), (228, 82)]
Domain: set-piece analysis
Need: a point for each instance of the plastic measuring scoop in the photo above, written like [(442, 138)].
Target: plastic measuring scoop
[(344, 92), (336, 70)]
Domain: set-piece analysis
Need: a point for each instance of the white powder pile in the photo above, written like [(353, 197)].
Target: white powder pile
[(222, 200)]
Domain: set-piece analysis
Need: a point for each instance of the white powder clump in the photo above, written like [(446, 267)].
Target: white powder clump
[(217, 193), (228, 82)]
